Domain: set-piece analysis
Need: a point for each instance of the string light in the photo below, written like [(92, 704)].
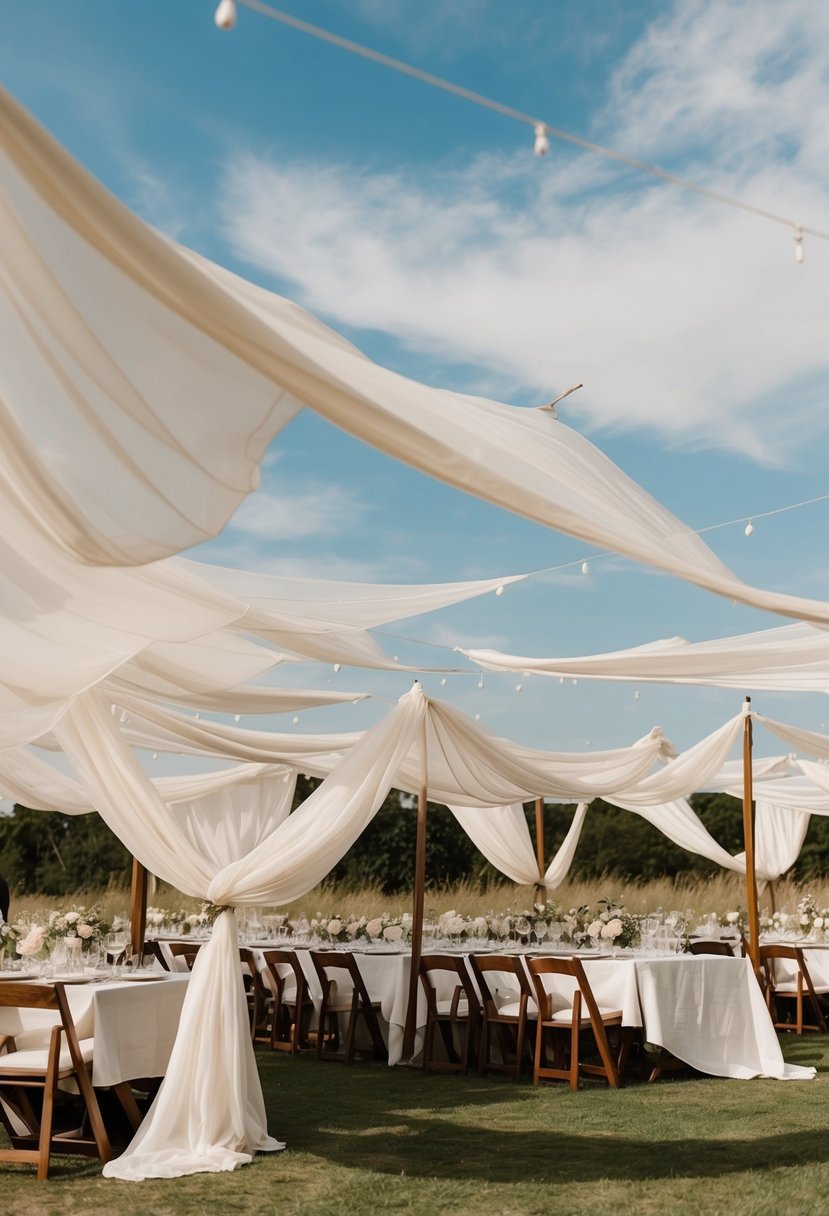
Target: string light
[(338, 667), (155, 755), (237, 717), (798, 245), (636, 695), (585, 567), (519, 687), (542, 131), (749, 528), (443, 682), (499, 590), (225, 15), (481, 681), (295, 719)]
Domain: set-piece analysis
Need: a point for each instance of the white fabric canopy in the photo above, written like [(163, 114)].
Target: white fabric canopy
[(793, 657), (502, 835), (124, 349)]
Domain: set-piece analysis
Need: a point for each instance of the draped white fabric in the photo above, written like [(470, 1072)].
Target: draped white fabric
[(125, 348), (502, 835), (209, 1113), (678, 821), (779, 833), (794, 657)]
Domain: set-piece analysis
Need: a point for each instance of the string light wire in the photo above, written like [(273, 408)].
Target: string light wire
[(538, 126)]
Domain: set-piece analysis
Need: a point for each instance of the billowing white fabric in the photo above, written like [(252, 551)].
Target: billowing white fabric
[(812, 742), (682, 825), (234, 819), (779, 833), (209, 1114), (468, 766), (794, 657), (125, 350), (502, 835)]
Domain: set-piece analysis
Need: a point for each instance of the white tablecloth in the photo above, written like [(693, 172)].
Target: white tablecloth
[(706, 1010), (134, 1024)]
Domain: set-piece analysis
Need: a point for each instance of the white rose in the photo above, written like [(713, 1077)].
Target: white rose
[(32, 943), (335, 926), (85, 931), (352, 928), (804, 920), (732, 917), (480, 926), (819, 922), (393, 933), (594, 928), (374, 928), (612, 929), (72, 918)]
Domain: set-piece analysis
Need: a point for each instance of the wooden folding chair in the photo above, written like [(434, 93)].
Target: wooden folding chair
[(357, 1003), (291, 1004), (151, 952), (459, 1013), (507, 1016), (259, 998), (32, 1133), (792, 990), (184, 950), (709, 946), (567, 1025)]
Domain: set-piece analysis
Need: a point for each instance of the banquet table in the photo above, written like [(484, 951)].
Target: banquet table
[(134, 1024), (705, 1010)]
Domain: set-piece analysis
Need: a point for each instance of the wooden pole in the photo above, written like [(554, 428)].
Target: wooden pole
[(138, 907), (748, 836), (540, 891), (418, 908)]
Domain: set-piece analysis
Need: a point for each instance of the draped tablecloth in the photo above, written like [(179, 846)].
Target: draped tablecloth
[(706, 1010), (134, 1024)]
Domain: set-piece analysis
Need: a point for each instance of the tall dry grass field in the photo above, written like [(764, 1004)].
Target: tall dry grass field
[(724, 892)]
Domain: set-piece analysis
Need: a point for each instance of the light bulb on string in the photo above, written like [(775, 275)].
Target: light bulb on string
[(561, 679), (225, 14), (338, 667), (519, 687), (574, 683), (477, 717), (198, 716), (481, 682), (541, 146), (499, 590), (443, 682), (585, 567), (237, 717), (749, 528), (155, 755), (798, 244), (295, 719), (636, 695)]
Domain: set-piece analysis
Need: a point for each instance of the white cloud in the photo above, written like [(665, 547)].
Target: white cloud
[(315, 511), (677, 314)]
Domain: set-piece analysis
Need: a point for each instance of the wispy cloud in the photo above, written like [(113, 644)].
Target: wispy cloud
[(677, 314), (317, 511)]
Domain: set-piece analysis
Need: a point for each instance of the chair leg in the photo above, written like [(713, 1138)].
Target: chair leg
[(539, 1047), (574, 1055), (351, 1028), (483, 1048)]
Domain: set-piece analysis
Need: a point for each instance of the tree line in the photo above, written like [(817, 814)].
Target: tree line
[(55, 854)]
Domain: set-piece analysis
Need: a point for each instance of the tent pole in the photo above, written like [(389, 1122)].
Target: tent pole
[(748, 835), (540, 889), (418, 908), (138, 907)]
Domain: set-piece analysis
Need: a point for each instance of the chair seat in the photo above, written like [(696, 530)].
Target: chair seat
[(513, 1008), (791, 989), (564, 1017), (444, 1008), (35, 1061)]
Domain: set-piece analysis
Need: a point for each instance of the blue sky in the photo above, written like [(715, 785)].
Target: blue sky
[(425, 229)]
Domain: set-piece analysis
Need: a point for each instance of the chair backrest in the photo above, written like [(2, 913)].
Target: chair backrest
[(570, 967), (339, 960), (185, 950), (706, 946), (22, 995), (792, 954), (455, 965), (484, 965), (273, 960)]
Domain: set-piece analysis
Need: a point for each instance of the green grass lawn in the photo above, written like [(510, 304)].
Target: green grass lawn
[(373, 1139)]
